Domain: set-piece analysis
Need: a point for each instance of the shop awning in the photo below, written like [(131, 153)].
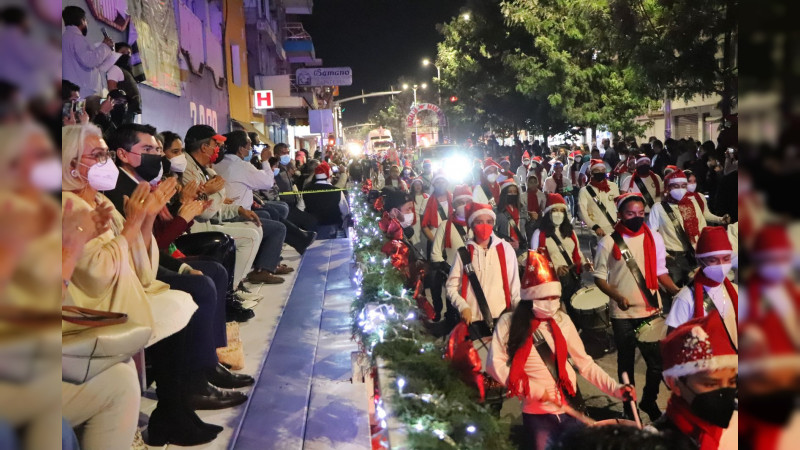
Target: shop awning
[(246, 126)]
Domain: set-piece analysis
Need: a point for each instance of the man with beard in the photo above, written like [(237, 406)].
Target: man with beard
[(81, 60)]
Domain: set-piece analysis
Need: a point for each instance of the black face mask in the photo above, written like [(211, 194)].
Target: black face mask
[(634, 223), (512, 199), (124, 62), (775, 408), (643, 170), (715, 407), (150, 166), (165, 164), (598, 177)]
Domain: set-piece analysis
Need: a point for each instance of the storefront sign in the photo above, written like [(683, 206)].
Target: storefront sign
[(412, 116), (332, 76), (263, 100)]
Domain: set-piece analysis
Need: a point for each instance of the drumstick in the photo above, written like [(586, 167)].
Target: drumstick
[(627, 380), (570, 411)]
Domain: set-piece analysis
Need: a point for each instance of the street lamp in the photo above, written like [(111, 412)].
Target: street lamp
[(465, 16), (414, 88), (427, 62)]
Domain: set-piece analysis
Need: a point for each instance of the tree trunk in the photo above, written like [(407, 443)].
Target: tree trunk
[(726, 104)]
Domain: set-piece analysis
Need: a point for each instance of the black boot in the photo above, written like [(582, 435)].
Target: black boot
[(297, 238)]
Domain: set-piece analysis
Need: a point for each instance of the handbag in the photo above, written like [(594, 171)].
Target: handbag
[(233, 354), (102, 340)]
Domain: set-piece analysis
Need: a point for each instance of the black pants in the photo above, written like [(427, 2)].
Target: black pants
[(438, 279), (625, 339), (206, 329), (569, 286), (302, 219), (210, 246)]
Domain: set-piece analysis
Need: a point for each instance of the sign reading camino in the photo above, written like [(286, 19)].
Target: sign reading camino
[(331, 76)]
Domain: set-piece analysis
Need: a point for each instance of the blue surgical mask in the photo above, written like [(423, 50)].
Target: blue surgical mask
[(249, 156), (285, 160), (276, 171)]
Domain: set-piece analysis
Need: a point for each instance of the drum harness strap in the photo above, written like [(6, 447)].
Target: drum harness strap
[(645, 193), (483, 304), (711, 308), (546, 353), (599, 204), (522, 241), (442, 215), (687, 243), (633, 266), (566, 257)]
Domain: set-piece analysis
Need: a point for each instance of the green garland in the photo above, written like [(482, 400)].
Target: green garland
[(439, 410)]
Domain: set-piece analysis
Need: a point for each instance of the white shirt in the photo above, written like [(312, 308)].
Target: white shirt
[(617, 274), (539, 377), (683, 307), (242, 178), (552, 248), (659, 222), (628, 185), (550, 183), (591, 214), (80, 61), (486, 264), (114, 73)]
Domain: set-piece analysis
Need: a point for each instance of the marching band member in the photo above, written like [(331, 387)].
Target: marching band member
[(596, 202), (488, 192), (644, 181)]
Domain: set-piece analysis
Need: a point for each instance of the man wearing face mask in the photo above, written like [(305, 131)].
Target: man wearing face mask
[(329, 208), (488, 192), (522, 171), (529, 353), (634, 298), (643, 181), (495, 266), (81, 60), (596, 203), (449, 237), (701, 368), (283, 179), (138, 157), (678, 219), (711, 290), (120, 76)]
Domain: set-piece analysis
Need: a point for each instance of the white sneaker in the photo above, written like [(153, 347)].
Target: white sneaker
[(248, 296), (249, 304)]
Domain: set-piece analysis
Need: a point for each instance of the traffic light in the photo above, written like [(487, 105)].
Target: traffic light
[(453, 99)]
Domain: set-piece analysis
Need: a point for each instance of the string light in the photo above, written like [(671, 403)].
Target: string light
[(471, 429)]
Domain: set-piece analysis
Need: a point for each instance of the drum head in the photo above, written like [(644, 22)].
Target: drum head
[(603, 423), (589, 298), (652, 331)]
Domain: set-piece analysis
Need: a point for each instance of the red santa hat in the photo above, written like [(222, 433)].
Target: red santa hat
[(426, 162), (504, 176), (489, 163), (539, 280), (537, 159), (438, 176), (642, 159), (462, 191), (572, 155), (526, 155), (713, 241), (624, 198), (772, 240), (507, 184), (323, 171), (597, 165), (478, 209), (415, 180), (669, 169), (699, 345), (677, 176), (765, 346), (554, 200)]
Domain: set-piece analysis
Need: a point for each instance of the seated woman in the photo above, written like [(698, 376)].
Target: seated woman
[(117, 272)]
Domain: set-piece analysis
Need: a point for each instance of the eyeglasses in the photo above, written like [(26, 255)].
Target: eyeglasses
[(100, 157)]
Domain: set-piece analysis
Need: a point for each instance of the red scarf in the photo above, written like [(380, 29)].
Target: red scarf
[(653, 178), (430, 218), (768, 319), (514, 212), (518, 383), (690, 222), (603, 185), (448, 243), (701, 280), (650, 269), (494, 188), (501, 254), (576, 255), (702, 432), (533, 202)]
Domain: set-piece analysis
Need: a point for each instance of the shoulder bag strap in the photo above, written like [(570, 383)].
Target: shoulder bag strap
[(442, 215), (91, 317), (633, 266), (565, 255), (546, 353), (684, 238), (483, 305), (599, 204), (522, 239), (645, 193)]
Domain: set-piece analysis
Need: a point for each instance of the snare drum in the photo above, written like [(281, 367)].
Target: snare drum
[(652, 331), (590, 306)]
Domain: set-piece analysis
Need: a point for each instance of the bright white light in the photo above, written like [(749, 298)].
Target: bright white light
[(424, 86), (418, 426), (401, 383), (383, 424), (458, 168), (465, 16), (405, 86), (354, 148), (439, 433), (381, 412), (471, 429), (410, 316), (426, 61)]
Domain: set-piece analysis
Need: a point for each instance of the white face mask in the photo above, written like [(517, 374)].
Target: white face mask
[(677, 194), (408, 219), (461, 210), (157, 179), (775, 271), (545, 309), (717, 272), (558, 217), (691, 187), (178, 163), (46, 175), (526, 162), (491, 177), (103, 177)]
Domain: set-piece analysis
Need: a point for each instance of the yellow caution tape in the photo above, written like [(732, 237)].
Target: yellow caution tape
[(319, 191)]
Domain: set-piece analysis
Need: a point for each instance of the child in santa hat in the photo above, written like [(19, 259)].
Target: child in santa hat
[(515, 360), (700, 368)]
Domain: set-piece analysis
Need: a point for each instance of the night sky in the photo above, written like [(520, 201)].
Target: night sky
[(381, 40)]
